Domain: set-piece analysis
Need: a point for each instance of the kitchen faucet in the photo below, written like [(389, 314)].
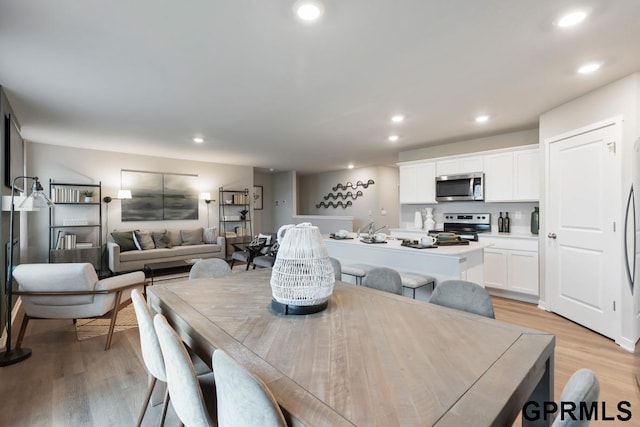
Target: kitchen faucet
[(370, 225)]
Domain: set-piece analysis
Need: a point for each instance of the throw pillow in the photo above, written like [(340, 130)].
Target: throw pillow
[(124, 239), (143, 240), (209, 235), (162, 240), (266, 237), (191, 237)]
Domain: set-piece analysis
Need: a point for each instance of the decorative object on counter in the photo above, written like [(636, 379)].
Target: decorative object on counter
[(417, 220), (429, 222), (507, 223), (350, 185), (535, 220), (334, 204), (243, 214), (88, 196), (302, 278), (500, 223), (344, 196)]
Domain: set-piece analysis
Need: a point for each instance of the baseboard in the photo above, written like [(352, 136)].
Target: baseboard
[(16, 318), (627, 344)]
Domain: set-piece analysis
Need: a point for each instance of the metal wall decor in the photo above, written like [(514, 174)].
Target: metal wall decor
[(334, 204), (350, 185), (343, 196)]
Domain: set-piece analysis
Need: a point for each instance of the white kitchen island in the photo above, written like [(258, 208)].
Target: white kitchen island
[(464, 262)]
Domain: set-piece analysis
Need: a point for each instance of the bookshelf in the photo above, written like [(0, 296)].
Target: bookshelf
[(75, 225), (235, 227)]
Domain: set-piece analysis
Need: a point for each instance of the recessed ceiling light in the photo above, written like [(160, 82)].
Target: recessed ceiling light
[(394, 138), (398, 118), (350, 166), (589, 68), (571, 19), (308, 10), (271, 169), (482, 118), (198, 140)]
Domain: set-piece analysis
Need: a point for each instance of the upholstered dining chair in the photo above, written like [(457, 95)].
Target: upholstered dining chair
[(465, 296), (193, 397), (337, 268), (152, 355), (243, 399), (384, 279), (211, 267), (72, 291), (583, 386)]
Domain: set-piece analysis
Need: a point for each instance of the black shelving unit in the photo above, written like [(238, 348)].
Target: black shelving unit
[(235, 228), (73, 216)]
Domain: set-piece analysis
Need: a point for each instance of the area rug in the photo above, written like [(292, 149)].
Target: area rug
[(90, 328)]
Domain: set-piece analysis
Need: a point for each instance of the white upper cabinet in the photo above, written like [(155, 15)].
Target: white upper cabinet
[(512, 176), (459, 166), (418, 183)]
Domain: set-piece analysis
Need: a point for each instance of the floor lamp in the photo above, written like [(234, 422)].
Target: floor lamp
[(207, 199), (122, 194), (37, 199)]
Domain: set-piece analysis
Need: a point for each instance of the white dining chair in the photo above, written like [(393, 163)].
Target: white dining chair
[(243, 399), (465, 296), (583, 386), (193, 397), (384, 279), (210, 267)]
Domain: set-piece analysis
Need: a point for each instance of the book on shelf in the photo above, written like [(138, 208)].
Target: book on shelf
[(80, 245), (65, 195)]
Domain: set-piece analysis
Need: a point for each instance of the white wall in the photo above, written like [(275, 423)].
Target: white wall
[(263, 221), (618, 98), (494, 142), (65, 164)]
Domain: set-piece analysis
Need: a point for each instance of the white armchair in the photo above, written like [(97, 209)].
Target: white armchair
[(72, 291)]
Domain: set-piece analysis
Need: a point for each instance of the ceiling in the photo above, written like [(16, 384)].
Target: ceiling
[(264, 89)]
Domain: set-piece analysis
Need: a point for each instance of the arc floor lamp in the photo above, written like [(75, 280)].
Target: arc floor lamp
[(37, 199)]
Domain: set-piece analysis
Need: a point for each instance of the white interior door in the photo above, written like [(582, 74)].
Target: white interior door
[(582, 253)]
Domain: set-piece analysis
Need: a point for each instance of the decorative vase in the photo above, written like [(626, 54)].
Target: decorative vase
[(429, 222), (417, 220), (302, 277), (88, 199)]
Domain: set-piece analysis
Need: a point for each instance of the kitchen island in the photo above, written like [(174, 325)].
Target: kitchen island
[(464, 262)]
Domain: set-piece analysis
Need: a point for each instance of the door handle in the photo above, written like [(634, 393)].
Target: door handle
[(552, 235)]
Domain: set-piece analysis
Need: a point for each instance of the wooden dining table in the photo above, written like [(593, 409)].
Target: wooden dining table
[(370, 358)]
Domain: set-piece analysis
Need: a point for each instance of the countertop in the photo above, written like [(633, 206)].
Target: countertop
[(512, 235), (395, 246)]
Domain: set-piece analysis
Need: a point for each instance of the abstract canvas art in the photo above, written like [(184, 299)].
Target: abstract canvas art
[(157, 196)]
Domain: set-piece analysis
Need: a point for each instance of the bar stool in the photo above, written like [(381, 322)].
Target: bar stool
[(357, 270), (414, 281)]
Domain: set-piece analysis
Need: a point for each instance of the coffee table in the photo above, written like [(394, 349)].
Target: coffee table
[(154, 267)]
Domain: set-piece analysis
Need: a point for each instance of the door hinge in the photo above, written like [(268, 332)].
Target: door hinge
[(614, 306), (612, 146), (614, 226)]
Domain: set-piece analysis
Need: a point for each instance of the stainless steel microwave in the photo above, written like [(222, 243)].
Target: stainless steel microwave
[(451, 188)]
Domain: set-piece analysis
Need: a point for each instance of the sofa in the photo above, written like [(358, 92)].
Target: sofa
[(131, 250)]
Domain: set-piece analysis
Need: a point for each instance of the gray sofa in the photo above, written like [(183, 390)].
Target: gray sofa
[(135, 259)]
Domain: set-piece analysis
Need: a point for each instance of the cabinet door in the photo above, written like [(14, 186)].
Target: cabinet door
[(526, 164), (523, 272), (495, 268), (498, 177), (426, 183), (460, 165), (408, 184)]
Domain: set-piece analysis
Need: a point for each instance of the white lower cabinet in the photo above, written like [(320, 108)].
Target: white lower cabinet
[(511, 265)]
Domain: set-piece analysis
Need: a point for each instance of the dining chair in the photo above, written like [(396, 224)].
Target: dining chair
[(210, 267), (152, 354), (337, 268), (243, 399), (193, 397), (384, 279), (465, 296), (583, 386)]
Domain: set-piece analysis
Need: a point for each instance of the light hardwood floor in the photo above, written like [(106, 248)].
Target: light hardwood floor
[(75, 383)]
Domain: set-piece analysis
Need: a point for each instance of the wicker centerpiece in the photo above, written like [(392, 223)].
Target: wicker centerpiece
[(302, 278)]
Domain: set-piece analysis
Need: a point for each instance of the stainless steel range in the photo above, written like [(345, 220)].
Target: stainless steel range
[(466, 225)]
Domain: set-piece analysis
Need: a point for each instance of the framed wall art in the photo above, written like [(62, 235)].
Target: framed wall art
[(257, 197)]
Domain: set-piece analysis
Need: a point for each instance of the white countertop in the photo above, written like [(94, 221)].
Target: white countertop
[(418, 233), (395, 245)]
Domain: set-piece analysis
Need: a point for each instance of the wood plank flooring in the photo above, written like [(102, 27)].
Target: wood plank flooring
[(68, 382)]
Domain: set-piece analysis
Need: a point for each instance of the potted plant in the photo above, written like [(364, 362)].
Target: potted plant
[(88, 196), (243, 214)]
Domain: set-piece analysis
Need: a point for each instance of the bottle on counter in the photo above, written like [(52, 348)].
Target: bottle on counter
[(500, 223), (507, 223), (535, 220)]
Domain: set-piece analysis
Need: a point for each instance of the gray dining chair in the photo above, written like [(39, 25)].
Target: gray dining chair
[(152, 355), (337, 268), (211, 267), (384, 279), (193, 397), (243, 399), (583, 386), (465, 296)]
